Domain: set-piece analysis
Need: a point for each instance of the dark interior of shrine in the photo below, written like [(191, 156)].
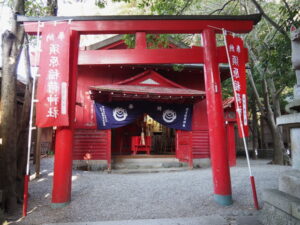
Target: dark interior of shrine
[(161, 138)]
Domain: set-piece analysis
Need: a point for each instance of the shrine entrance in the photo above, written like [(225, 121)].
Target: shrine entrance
[(145, 113), (145, 136)]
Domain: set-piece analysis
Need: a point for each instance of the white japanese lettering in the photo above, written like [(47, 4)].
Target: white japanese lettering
[(50, 37), (238, 98), (237, 85), (235, 60), (52, 87), (238, 49), (52, 112), (52, 99), (53, 74), (61, 36), (54, 49), (53, 61), (236, 73)]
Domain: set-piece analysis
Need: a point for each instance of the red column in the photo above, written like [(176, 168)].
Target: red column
[(231, 144), (62, 180), (215, 114)]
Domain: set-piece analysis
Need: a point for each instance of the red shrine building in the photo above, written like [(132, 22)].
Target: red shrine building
[(148, 83), (138, 84)]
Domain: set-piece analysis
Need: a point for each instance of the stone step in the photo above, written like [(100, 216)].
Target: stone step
[(148, 170), (137, 159), (280, 208), (146, 163), (203, 220)]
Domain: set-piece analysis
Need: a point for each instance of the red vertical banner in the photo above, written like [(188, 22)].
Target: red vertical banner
[(236, 58), (53, 84)]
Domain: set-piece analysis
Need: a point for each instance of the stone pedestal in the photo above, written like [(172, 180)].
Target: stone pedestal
[(295, 146), (289, 182)]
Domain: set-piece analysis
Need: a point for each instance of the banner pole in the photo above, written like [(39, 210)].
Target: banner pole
[(252, 180), (26, 178)]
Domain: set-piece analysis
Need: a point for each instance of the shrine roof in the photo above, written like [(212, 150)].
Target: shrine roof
[(228, 102), (147, 85)]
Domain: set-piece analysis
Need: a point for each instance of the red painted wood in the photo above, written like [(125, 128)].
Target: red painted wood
[(252, 180), (140, 40), (217, 134), (91, 144), (200, 144), (25, 196), (200, 138), (137, 145), (117, 45), (108, 152), (151, 26), (150, 74), (61, 192), (147, 56), (184, 146), (140, 56), (231, 144)]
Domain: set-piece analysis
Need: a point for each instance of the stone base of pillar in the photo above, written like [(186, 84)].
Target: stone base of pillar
[(59, 205), (223, 200)]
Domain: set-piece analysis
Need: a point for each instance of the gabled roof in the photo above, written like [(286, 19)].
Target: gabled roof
[(148, 85), (228, 102), (150, 78)]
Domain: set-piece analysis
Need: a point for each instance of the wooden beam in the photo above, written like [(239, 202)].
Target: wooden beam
[(146, 56), (151, 26)]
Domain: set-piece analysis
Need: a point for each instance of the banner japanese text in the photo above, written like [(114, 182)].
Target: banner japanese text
[(53, 83), (236, 54)]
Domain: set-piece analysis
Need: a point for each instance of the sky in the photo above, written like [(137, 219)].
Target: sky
[(5, 18)]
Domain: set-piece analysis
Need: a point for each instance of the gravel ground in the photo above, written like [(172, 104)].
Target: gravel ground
[(98, 196)]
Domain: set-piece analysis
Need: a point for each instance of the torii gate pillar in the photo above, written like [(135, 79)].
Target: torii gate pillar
[(62, 179), (217, 134)]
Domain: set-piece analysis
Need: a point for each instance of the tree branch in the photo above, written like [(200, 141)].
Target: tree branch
[(252, 83), (278, 92), (289, 11), (221, 9), (187, 4), (272, 22)]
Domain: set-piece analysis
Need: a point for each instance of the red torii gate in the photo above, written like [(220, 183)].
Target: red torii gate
[(210, 55)]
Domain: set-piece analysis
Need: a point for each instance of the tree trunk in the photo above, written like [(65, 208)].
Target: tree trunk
[(268, 113), (8, 123), (254, 128), (11, 47), (278, 146)]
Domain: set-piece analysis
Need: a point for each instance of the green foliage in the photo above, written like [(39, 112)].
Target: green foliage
[(100, 3), (35, 8), (129, 40), (273, 50)]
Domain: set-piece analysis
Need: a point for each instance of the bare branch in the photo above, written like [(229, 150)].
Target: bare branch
[(278, 92), (252, 83), (272, 22), (187, 4), (289, 11), (221, 9)]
